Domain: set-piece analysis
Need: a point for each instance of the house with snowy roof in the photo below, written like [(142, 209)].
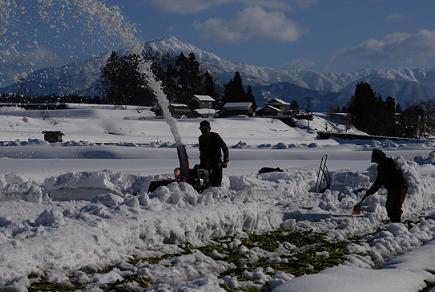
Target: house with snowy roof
[(280, 104), (181, 110), (236, 109), (203, 101), (267, 111)]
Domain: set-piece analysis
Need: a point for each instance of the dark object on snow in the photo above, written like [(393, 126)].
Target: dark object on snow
[(269, 169), (377, 155), (53, 136), (390, 175), (197, 177), (154, 185), (323, 181)]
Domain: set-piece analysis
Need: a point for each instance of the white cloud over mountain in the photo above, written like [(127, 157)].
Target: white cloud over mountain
[(417, 49), (395, 17), (186, 6), (16, 64), (195, 6), (252, 23)]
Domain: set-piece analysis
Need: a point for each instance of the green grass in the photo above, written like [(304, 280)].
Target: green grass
[(301, 261)]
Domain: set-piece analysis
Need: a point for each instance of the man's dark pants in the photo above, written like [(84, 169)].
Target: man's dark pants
[(216, 175), (395, 199)]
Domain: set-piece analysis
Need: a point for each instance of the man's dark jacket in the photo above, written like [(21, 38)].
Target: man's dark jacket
[(390, 176), (210, 147)]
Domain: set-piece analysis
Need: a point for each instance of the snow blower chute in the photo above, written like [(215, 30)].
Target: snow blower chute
[(197, 177)]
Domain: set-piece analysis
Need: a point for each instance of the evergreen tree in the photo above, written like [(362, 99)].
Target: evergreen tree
[(410, 121), (123, 82), (110, 77), (363, 107), (233, 91), (429, 115), (371, 114), (250, 97), (209, 86), (188, 78), (390, 126), (294, 106)]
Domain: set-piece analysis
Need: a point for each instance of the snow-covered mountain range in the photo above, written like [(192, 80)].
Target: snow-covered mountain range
[(406, 85)]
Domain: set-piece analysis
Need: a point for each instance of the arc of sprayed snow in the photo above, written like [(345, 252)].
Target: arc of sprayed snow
[(113, 23)]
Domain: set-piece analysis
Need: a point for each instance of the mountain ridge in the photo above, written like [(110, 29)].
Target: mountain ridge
[(405, 84)]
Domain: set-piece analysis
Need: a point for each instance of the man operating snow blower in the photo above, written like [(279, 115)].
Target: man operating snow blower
[(209, 172), (210, 156), (391, 177)]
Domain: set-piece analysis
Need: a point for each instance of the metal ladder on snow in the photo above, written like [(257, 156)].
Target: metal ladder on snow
[(323, 177)]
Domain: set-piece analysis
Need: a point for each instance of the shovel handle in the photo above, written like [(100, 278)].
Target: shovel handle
[(363, 198)]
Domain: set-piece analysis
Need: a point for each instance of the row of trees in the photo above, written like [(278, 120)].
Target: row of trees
[(50, 99), (371, 114), (234, 92), (123, 83), (181, 77)]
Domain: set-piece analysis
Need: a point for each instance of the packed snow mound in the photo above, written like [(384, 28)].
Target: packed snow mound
[(86, 185), (80, 186), (81, 180), (429, 159), (14, 187), (420, 191), (295, 182), (178, 194), (50, 218)]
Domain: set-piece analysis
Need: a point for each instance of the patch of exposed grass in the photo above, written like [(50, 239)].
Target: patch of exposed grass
[(270, 241), (303, 260), (153, 260), (44, 285)]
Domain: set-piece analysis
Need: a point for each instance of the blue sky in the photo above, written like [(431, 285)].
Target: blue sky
[(325, 35), (329, 35)]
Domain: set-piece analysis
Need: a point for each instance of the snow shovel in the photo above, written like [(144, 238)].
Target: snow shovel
[(357, 208)]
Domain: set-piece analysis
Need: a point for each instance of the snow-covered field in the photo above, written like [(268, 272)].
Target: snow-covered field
[(77, 214)]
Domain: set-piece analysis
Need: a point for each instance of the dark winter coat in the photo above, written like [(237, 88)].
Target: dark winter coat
[(210, 147), (390, 176)]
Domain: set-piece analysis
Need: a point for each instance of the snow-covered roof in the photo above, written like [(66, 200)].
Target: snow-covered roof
[(204, 111), (204, 97), (271, 107), (279, 100), (238, 105), (179, 105)]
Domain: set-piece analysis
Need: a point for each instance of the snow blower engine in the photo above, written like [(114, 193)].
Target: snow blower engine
[(197, 177)]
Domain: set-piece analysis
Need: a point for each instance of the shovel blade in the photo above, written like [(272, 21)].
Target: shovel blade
[(356, 210)]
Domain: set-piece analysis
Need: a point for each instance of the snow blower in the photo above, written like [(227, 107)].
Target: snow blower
[(356, 210), (197, 177)]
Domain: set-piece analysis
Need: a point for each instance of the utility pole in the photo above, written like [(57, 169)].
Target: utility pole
[(308, 110)]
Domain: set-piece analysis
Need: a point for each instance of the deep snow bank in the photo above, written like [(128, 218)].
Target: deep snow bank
[(404, 273), (119, 218)]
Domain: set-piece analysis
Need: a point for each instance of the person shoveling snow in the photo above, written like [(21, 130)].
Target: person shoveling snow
[(390, 175)]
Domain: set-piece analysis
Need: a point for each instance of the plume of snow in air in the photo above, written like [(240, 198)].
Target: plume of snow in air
[(95, 13), (156, 86), (6, 10)]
